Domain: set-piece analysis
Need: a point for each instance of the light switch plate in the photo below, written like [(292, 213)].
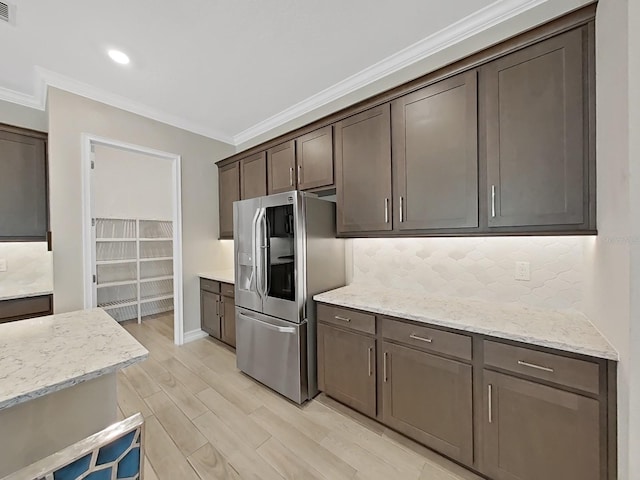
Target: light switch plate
[(3, 264), (523, 271)]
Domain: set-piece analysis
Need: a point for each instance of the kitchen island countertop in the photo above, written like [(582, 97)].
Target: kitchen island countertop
[(43, 355), (566, 330)]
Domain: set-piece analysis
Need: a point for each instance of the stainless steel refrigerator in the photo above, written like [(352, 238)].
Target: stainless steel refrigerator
[(286, 251)]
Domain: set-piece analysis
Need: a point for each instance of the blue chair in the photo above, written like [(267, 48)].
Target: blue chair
[(117, 452)]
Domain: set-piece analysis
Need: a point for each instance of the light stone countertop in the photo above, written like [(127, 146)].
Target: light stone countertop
[(43, 355), (24, 294), (566, 330), (226, 276)]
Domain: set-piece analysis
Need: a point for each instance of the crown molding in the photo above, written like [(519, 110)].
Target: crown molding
[(62, 82), (37, 102), (484, 19), (47, 78)]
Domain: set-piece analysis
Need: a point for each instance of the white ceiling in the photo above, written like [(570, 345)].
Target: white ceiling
[(216, 67)]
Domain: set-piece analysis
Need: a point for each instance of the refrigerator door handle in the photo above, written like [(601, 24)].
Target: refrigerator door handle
[(264, 247), (277, 328), (254, 275)]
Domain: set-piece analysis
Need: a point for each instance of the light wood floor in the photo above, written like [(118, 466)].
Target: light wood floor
[(206, 420)]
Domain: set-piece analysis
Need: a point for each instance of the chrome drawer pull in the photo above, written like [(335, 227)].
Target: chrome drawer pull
[(422, 339), (369, 355), (344, 319), (537, 367)]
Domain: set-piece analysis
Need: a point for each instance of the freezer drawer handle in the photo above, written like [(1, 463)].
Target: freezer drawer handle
[(268, 325)]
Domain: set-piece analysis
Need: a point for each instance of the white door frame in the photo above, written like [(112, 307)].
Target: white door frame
[(88, 140)]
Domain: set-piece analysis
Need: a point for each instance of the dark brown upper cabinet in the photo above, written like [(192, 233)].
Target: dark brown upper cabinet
[(501, 142), (435, 156), (534, 431), (315, 159), (228, 192), (363, 172), (253, 176), (281, 168), (537, 135), (24, 196)]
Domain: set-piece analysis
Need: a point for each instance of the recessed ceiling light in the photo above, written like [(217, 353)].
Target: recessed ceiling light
[(119, 57)]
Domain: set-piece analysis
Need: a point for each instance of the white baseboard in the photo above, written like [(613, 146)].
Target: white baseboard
[(194, 335)]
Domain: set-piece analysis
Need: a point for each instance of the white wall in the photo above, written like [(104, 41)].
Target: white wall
[(25, 117), (608, 271), (634, 200), (482, 268), (70, 116), (132, 185)]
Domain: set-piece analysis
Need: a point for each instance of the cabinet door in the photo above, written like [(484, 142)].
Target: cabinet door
[(363, 171), (282, 167), (253, 178), (228, 310), (229, 192), (23, 187), (435, 154), (315, 159), (535, 134), (534, 432), (210, 313), (347, 368), (429, 399)]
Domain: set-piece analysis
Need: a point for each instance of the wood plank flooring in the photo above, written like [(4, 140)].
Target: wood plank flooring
[(206, 420)]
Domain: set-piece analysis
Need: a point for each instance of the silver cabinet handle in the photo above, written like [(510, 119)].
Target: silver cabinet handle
[(299, 173), (291, 176), (401, 209), (533, 365), (384, 367), (370, 362), (422, 339), (490, 402), (493, 201), (343, 319), (386, 210)]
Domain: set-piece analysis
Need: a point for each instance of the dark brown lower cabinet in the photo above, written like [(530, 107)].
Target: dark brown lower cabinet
[(347, 367), (533, 431), (429, 398), (23, 308), (210, 313), (228, 321)]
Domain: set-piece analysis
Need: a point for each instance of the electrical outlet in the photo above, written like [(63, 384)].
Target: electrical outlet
[(3, 264), (523, 271)]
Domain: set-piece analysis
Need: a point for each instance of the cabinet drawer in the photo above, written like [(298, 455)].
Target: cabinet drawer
[(428, 339), (227, 289), (21, 308), (209, 285), (362, 322), (566, 371)]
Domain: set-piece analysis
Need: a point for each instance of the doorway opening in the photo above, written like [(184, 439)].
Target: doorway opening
[(132, 229)]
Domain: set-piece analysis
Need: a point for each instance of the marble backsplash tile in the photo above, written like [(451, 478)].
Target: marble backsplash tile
[(29, 269), (480, 268)]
